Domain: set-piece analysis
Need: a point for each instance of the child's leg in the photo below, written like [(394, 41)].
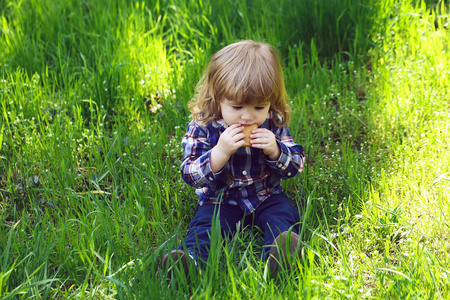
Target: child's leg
[(275, 215), (197, 240)]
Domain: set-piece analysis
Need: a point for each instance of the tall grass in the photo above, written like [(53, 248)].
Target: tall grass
[(93, 108)]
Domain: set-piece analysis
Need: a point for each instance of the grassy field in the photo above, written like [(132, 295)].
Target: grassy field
[(93, 101)]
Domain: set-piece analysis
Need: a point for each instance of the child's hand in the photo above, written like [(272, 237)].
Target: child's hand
[(265, 139), (231, 139)]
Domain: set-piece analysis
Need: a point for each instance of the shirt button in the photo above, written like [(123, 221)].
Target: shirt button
[(289, 174), (244, 172), (280, 165), (210, 178)]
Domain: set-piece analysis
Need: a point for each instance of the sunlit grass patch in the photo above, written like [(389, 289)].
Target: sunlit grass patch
[(413, 119), (406, 212)]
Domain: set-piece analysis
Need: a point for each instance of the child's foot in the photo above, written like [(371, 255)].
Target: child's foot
[(284, 250), (177, 259)]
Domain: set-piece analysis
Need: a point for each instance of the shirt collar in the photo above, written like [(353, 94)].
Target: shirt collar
[(220, 123)]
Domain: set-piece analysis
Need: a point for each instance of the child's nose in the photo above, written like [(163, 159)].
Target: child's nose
[(246, 115)]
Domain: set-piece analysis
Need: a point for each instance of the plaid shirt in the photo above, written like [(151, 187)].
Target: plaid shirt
[(249, 177)]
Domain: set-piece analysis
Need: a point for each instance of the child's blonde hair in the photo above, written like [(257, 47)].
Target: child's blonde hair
[(247, 72)]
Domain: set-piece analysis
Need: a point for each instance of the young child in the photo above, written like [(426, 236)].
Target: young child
[(242, 85)]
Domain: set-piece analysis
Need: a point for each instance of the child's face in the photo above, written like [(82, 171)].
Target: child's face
[(245, 114)]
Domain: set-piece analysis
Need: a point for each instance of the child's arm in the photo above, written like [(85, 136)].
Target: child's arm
[(203, 161), (229, 141), (291, 157)]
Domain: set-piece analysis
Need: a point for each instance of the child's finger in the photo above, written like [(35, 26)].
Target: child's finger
[(239, 137), (235, 128), (259, 141)]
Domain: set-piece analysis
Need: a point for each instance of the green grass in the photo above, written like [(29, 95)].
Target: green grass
[(93, 108)]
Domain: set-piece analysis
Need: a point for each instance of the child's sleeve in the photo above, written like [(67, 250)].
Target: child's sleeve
[(195, 168), (292, 157)]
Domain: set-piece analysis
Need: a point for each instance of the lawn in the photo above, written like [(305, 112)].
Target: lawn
[(93, 106)]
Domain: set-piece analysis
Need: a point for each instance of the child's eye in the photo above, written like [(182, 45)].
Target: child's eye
[(237, 107), (259, 107)]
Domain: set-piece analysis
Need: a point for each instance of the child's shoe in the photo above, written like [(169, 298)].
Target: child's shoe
[(180, 260), (285, 249)]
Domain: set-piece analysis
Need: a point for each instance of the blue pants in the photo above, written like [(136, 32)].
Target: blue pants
[(273, 216)]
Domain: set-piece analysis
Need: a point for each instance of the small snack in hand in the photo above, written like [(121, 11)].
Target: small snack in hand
[(247, 131)]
